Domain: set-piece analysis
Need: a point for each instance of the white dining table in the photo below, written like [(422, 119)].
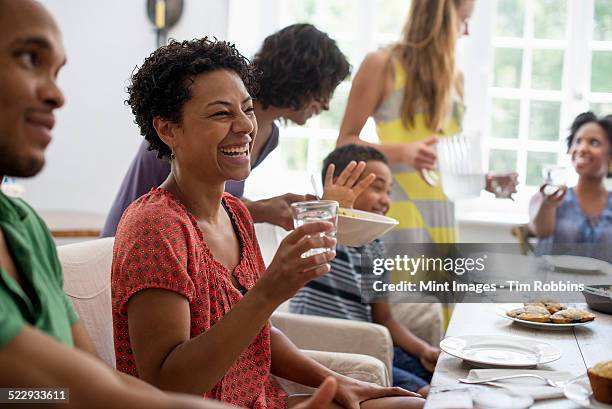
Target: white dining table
[(581, 347)]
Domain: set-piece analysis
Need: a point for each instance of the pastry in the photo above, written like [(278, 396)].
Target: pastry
[(534, 313), (600, 377), (571, 315), (534, 317), (551, 306)]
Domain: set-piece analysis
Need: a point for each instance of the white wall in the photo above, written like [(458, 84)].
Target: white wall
[(95, 137)]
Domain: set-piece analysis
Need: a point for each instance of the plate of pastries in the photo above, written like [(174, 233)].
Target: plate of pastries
[(545, 314)]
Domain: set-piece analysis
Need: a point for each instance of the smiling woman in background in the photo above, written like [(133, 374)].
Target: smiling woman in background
[(191, 294), (582, 214), (300, 68)]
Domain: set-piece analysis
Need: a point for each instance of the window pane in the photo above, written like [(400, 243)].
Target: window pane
[(327, 15), (505, 118), (601, 80), (601, 108), (510, 18), (391, 16), (333, 117), (508, 64), (544, 118), (602, 30), (294, 152), (535, 162), (502, 160), (547, 69), (549, 19), (301, 11)]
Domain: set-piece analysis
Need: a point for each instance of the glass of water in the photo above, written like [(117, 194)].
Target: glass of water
[(555, 177), (315, 211)]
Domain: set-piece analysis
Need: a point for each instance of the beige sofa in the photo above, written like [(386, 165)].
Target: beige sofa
[(359, 350)]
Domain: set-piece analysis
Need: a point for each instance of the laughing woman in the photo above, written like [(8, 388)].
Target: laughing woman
[(191, 294)]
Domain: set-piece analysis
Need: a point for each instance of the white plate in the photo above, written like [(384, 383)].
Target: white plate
[(503, 308), (357, 228), (500, 350), (577, 264), (580, 392)]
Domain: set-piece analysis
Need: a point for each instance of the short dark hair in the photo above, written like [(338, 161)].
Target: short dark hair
[(299, 64), (161, 86), (343, 155), (587, 117)]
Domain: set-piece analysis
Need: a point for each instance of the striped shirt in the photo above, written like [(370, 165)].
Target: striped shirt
[(338, 294)]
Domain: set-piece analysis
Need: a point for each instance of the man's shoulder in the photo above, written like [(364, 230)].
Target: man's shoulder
[(30, 219)]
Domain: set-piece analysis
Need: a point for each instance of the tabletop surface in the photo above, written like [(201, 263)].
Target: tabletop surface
[(581, 347)]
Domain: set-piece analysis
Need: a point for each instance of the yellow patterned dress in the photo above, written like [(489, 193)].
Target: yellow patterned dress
[(424, 213)]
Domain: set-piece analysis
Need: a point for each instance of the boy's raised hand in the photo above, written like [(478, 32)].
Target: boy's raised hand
[(345, 188)]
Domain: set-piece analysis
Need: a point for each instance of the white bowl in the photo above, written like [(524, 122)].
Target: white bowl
[(357, 228)]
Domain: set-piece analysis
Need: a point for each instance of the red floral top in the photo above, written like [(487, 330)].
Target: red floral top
[(160, 245)]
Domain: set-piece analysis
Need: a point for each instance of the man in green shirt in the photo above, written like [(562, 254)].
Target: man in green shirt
[(43, 344)]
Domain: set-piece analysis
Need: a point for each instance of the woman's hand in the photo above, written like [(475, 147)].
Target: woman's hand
[(344, 189), (352, 392), (429, 357), (502, 185), (288, 271), (322, 397), (553, 196), (420, 155)]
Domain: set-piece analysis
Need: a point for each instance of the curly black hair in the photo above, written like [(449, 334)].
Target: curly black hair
[(343, 155), (161, 86), (588, 117), (299, 64)]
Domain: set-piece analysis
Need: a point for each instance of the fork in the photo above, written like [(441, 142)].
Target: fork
[(550, 382)]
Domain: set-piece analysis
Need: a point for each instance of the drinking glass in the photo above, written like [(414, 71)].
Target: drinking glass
[(555, 177), (315, 211)]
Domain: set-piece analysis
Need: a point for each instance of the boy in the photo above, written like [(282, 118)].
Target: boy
[(338, 293)]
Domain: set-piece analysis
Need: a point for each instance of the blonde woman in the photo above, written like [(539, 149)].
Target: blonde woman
[(414, 92)]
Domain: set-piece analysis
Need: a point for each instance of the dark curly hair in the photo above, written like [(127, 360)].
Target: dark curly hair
[(343, 155), (299, 64), (588, 117), (161, 86)]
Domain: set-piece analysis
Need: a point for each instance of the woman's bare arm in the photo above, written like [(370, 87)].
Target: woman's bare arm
[(367, 92), (370, 86), (168, 356), (543, 212)]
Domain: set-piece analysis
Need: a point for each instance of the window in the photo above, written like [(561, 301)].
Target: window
[(530, 42)]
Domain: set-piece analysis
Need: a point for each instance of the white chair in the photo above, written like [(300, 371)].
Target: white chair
[(87, 267)]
